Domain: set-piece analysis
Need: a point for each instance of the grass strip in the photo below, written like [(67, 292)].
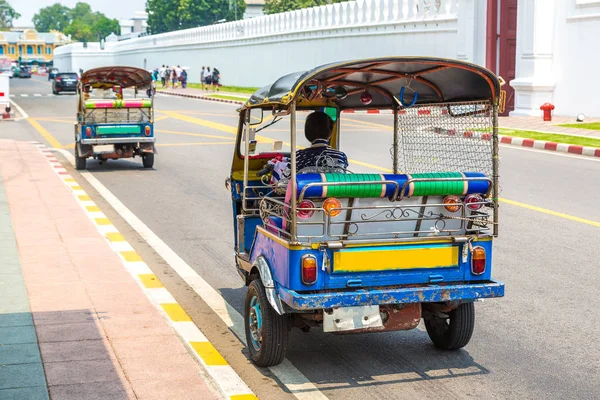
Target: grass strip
[(225, 97), (590, 125), (231, 89), (551, 137)]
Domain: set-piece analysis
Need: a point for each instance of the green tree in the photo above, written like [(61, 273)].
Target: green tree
[(7, 14), (104, 26), (55, 17), (279, 6), (173, 15)]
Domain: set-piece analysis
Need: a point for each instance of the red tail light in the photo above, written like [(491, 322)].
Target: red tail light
[(474, 202), (309, 269), (303, 209), (88, 132), (147, 130), (478, 260), (57, 79)]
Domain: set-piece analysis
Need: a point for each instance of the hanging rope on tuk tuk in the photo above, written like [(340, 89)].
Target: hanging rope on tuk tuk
[(401, 98)]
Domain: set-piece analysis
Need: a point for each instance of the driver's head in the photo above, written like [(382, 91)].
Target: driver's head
[(318, 125)]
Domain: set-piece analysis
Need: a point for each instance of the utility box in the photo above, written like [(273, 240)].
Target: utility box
[(5, 107)]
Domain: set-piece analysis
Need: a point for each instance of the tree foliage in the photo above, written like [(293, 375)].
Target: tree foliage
[(279, 6), (81, 22), (7, 14), (173, 15)]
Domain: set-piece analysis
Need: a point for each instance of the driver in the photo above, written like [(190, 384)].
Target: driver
[(318, 129)]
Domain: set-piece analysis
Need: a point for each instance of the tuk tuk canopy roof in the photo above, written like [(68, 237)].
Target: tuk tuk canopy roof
[(435, 80), (107, 77)]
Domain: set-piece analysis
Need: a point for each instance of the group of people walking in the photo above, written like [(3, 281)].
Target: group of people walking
[(177, 77), (170, 76), (210, 79)]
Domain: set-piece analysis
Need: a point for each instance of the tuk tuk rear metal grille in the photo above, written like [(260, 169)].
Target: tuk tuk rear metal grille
[(113, 116), (446, 137)]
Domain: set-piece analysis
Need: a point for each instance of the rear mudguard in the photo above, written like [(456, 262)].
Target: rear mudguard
[(267, 280)]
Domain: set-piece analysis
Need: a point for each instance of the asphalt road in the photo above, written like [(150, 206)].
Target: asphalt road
[(539, 341)]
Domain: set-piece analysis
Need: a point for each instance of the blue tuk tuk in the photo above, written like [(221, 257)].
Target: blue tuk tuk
[(115, 116), (349, 251)]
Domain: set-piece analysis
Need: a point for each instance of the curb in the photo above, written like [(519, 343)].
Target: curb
[(223, 376), (524, 142), (193, 96)]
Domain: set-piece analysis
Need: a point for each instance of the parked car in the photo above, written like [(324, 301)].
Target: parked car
[(7, 72), (24, 72), (65, 82), (52, 73)]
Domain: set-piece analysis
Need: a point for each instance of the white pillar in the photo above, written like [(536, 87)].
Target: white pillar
[(467, 31), (534, 82)]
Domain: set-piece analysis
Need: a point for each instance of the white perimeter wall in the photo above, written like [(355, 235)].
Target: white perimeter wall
[(257, 51)]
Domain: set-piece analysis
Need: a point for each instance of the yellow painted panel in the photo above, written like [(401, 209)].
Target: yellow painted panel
[(92, 208), (102, 221), (69, 180), (150, 281), (115, 237), (76, 187), (208, 353), (393, 259), (131, 256), (84, 197), (175, 312)]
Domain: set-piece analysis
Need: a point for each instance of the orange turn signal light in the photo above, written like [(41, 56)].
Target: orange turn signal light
[(332, 207), (478, 260), (452, 203)]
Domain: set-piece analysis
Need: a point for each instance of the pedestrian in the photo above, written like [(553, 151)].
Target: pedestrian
[(202, 77), (161, 73), (174, 78), (216, 77), (207, 77), (167, 76), (183, 79)]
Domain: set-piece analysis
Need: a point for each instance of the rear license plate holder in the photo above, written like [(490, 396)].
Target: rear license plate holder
[(104, 148), (351, 318)]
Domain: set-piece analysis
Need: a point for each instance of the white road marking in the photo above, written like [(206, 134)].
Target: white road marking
[(298, 384), (24, 95), (37, 95), (24, 115)]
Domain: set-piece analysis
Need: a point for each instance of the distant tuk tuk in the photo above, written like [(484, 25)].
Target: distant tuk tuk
[(115, 115), (348, 251)]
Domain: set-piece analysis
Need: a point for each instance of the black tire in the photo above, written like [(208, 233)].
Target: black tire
[(148, 160), (270, 347), (454, 332), (80, 162)]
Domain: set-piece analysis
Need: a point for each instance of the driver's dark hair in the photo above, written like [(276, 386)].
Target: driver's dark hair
[(318, 125)]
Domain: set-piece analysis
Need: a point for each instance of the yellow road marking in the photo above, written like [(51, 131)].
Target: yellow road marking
[(175, 312), (115, 237), (76, 187), (64, 121), (131, 256), (202, 122), (92, 208), (42, 131), (84, 197), (386, 127), (101, 221), (161, 118), (208, 353), (243, 397), (195, 134), (192, 144), (69, 180), (70, 145), (150, 281), (550, 212)]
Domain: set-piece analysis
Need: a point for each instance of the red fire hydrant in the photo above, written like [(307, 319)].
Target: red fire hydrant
[(547, 109)]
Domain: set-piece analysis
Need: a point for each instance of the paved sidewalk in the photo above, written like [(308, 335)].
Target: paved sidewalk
[(99, 336), (538, 124)]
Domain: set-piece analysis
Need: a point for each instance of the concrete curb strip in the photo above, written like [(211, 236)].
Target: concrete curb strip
[(193, 96), (222, 374)]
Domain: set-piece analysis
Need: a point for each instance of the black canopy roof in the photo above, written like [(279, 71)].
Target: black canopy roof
[(436, 80)]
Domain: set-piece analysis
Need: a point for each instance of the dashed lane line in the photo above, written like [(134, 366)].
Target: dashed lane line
[(222, 374), (294, 380)]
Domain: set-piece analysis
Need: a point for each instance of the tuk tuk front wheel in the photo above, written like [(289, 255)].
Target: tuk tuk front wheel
[(148, 160), (266, 331), (80, 162), (455, 331)]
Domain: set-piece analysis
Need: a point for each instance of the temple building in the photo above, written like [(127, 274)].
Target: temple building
[(29, 47)]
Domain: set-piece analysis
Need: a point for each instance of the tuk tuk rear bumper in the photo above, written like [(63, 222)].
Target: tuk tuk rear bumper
[(392, 295), (117, 140)]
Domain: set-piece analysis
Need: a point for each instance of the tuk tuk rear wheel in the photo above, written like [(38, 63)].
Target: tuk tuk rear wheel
[(455, 331), (80, 162), (148, 160), (266, 330)]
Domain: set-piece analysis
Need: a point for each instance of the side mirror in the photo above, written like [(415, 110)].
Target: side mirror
[(254, 116)]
